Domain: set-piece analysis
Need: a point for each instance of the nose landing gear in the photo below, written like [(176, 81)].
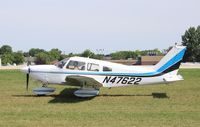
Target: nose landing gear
[(44, 90)]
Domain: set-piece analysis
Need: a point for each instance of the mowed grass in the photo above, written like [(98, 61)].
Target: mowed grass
[(118, 107)]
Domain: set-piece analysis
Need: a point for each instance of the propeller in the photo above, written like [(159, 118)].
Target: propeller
[(27, 78), (27, 75)]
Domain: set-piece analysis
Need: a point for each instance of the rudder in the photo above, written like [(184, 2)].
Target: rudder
[(172, 60)]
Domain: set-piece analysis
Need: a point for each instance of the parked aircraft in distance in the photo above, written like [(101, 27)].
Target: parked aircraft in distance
[(92, 74)]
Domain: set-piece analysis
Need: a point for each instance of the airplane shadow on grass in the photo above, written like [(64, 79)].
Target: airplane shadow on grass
[(67, 96)]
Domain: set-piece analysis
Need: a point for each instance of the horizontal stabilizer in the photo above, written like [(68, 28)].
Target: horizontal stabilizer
[(173, 78)]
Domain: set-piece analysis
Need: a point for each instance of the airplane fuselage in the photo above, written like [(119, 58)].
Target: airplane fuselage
[(51, 74)]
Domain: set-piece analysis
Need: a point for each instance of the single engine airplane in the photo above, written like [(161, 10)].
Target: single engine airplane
[(92, 74)]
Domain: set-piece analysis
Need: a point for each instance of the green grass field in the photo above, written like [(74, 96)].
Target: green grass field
[(118, 107)]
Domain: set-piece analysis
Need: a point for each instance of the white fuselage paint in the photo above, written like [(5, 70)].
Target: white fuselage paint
[(53, 75)]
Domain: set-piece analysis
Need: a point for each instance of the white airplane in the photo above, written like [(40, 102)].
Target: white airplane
[(91, 74)]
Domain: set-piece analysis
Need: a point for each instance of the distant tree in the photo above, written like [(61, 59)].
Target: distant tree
[(18, 57), (87, 53), (123, 55), (55, 54), (134, 54), (5, 49), (63, 56), (116, 55), (191, 39), (98, 56), (26, 54), (34, 51), (151, 52), (7, 58), (70, 55), (42, 58), (138, 53)]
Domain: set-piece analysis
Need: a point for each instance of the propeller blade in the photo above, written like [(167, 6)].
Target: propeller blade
[(27, 81), (27, 78)]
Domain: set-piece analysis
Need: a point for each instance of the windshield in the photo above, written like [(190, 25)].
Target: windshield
[(62, 63)]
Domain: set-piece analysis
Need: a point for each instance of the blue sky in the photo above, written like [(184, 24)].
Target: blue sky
[(112, 25)]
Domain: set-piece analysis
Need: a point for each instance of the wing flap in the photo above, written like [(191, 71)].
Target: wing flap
[(76, 80)]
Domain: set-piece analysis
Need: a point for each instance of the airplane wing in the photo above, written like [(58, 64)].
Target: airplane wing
[(83, 81)]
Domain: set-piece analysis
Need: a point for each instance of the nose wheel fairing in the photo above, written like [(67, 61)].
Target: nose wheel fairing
[(43, 90)]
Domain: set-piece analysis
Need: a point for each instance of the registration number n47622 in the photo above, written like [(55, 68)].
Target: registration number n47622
[(122, 80)]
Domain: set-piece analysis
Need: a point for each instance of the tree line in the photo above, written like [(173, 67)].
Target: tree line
[(47, 57), (191, 39)]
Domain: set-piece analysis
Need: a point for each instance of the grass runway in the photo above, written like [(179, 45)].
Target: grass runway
[(133, 106)]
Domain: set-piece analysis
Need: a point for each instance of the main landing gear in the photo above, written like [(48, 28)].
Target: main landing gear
[(86, 92)]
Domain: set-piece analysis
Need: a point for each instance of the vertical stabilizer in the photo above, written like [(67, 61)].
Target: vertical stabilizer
[(171, 61)]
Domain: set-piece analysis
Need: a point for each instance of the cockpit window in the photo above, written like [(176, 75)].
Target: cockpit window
[(62, 63), (107, 68), (93, 67), (76, 65)]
